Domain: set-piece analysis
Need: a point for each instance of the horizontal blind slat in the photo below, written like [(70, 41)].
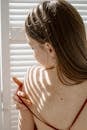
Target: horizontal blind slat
[(78, 1), (19, 11), (26, 1), (22, 5)]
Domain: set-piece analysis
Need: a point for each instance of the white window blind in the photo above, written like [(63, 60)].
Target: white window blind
[(21, 56), (4, 66), (0, 75), (16, 53)]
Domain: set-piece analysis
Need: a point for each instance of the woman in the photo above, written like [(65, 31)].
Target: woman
[(55, 92)]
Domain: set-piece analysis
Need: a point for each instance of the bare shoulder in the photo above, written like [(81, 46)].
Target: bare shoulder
[(32, 72), (67, 110), (35, 71), (36, 74), (73, 97), (32, 82)]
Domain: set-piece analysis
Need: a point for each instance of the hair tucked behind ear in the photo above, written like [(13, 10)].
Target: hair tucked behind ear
[(59, 23)]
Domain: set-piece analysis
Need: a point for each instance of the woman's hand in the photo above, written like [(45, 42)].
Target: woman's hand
[(20, 96), (25, 118)]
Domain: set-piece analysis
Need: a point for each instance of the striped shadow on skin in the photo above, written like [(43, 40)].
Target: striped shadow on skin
[(36, 83)]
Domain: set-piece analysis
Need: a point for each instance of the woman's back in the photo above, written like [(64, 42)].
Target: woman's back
[(57, 104)]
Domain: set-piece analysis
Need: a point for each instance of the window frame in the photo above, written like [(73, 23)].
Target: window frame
[(5, 64)]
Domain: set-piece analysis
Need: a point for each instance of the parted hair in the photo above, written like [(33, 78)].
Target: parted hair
[(60, 24)]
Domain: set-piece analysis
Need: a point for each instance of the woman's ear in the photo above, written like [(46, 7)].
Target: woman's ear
[(50, 49)]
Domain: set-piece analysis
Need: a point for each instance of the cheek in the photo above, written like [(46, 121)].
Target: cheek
[(41, 56), (38, 55)]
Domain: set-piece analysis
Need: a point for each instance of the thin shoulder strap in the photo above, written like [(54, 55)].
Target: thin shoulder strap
[(78, 114), (42, 120)]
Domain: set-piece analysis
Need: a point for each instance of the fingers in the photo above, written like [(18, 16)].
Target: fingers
[(23, 94), (20, 106), (18, 82), (21, 102), (16, 99), (23, 98), (26, 101), (20, 98)]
